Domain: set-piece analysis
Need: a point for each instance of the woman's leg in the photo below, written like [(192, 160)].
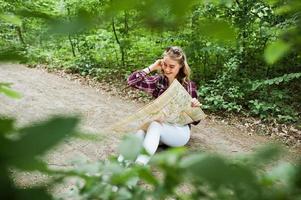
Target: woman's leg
[(171, 135), (140, 134), (175, 135), (151, 142)]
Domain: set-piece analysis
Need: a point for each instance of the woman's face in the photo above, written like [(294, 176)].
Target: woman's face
[(170, 67)]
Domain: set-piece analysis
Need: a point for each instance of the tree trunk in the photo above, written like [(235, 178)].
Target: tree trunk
[(69, 36), (72, 45), (118, 42), (126, 34), (20, 35)]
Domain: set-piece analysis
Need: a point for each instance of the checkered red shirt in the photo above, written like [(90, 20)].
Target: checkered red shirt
[(157, 84)]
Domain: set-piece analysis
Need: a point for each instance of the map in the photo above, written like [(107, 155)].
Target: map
[(173, 106)]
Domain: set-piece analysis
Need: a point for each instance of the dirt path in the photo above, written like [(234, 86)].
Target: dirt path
[(46, 94)]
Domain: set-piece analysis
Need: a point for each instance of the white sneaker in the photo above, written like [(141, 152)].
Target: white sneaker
[(120, 158), (142, 159)]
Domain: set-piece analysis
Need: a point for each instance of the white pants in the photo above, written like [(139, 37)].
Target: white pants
[(171, 135)]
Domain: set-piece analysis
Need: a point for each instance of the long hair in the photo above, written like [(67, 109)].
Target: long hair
[(176, 53)]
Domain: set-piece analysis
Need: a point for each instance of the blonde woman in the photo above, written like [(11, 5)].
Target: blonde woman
[(172, 66)]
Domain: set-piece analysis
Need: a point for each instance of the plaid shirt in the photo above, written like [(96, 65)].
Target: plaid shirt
[(157, 84)]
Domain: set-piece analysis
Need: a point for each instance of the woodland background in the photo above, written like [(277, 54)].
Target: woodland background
[(245, 58)]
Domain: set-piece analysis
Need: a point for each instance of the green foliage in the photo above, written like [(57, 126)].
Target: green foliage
[(22, 148), (276, 81), (131, 147), (226, 44), (216, 98), (217, 29), (5, 88), (224, 93), (244, 54), (13, 19), (207, 175), (262, 108), (275, 51)]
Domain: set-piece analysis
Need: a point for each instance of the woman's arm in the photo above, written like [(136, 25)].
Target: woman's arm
[(192, 90), (141, 80)]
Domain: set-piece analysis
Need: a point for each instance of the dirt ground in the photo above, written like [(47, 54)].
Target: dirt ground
[(46, 94)]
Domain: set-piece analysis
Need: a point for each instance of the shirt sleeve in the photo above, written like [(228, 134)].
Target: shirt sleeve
[(192, 90), (140, 80)]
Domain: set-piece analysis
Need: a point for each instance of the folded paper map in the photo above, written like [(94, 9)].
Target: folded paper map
[(173, 106)]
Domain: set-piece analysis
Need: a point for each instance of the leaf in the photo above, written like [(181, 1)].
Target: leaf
[(81, 22), (90, 137), (209, 168), (275, 51), (277, 80), (217, 171), (169, 157), (146, 175), (32, 164), (125, 176), (113, 168), (228, 3), (37, 139), (6, 125), (130, 147), (283, 172), (265, 154), (124, 194), (33, 194), (11, 55), (10, 18), (271, 1), (219, 30), (9, 92)]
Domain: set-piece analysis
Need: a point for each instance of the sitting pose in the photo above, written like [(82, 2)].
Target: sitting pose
[(172, 66)]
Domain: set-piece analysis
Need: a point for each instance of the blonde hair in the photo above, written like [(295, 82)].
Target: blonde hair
[(176, 53)]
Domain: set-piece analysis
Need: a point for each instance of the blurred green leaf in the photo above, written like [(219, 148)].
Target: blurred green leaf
[(119, 5), (33, 13), (33, 194), (265, 154), (217, 171), (297, 178), (130, 147), (284, 172), (5, 89), (275, 51), (37, 139), (210, 168), (271, 1), (125, 176), (113, 168), (32, 164), (90, 137), (224, 2), (11, 55), (219, 30), (10, 18), (83, 21), (146, 175), (89, 168), (6, 125), (169, 157)]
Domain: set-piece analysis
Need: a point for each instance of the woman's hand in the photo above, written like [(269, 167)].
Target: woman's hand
[(195, 103), (157, 65)]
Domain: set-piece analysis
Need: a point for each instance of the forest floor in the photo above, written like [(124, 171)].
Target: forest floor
[(46, 94)]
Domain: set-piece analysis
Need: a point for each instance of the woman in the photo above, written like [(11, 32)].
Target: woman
[(173, 66)]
